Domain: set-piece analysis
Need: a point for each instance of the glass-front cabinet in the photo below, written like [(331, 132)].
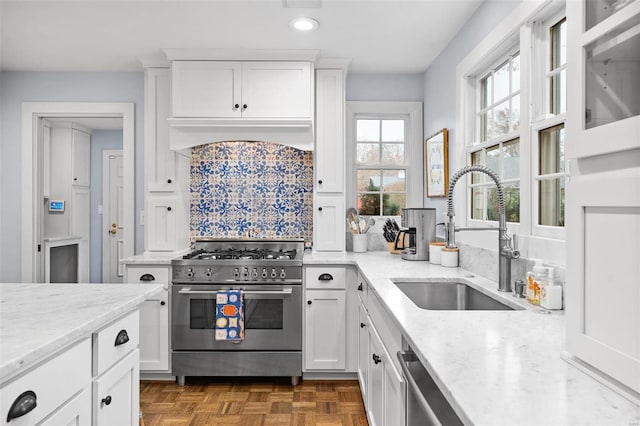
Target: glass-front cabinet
[(604, 64), (603, 189)]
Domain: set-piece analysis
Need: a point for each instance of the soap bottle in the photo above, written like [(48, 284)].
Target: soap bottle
[(534, 277)]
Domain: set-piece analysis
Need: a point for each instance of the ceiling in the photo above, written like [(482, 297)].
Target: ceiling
[(380, 36), (92, 123)]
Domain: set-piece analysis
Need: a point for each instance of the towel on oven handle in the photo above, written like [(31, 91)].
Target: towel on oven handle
[(230, 315)]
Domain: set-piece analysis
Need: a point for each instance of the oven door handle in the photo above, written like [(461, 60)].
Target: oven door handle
[(282, 292)]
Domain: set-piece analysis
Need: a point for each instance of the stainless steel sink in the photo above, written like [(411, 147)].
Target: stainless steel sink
[(450, 296)]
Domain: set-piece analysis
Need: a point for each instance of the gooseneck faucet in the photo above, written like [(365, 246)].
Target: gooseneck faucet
[(506, 252)]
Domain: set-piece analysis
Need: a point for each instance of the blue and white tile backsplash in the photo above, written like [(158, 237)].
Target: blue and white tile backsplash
[(251, 190)]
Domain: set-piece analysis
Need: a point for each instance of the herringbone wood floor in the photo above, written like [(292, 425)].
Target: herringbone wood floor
[(209, 401)]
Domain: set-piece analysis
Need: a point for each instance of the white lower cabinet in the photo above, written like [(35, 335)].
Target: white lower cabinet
[(154, 333), (76, 412), (116, 394), (325, 337), (154, 317), (363, 350), (375, 387)]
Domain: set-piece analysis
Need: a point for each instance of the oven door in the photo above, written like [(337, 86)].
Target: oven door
[(272, 317)]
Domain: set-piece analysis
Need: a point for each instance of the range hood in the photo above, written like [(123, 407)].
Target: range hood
[(249, 95), (190, 132)]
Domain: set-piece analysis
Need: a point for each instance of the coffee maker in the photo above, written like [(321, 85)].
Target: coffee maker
[(418, 226)]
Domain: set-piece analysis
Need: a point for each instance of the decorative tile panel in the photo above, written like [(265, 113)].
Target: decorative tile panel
[(251, 190)]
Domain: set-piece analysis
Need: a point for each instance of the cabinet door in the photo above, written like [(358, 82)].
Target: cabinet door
[(80, 158), (80, 212), (325, 329), (205, 89), (375, 386), (363, 351), (154, 333), (330, 145), (276, 90), (329, 224), (603, 319), (76, 412), (116, 394), (161, 224), (160, 161), (394, 393)]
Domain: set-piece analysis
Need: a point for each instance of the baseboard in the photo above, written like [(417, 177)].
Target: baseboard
[(157, 377), (329, 376)]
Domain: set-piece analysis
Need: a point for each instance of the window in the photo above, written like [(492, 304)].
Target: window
[(557, 74), (497, 144), (381, 166)]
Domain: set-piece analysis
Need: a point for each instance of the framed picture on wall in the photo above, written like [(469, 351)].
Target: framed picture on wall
[(436, 151)]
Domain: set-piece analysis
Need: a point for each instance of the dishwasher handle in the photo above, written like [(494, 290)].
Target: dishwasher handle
[(414, 388)]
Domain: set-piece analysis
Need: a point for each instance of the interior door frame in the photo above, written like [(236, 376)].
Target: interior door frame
[(32, 206), (106, 205)]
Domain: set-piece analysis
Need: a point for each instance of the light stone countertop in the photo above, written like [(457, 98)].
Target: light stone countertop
[(152, 259), (494, 367), (38, 320)]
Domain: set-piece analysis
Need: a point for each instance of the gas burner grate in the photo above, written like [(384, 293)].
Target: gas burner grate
[(242, 254)]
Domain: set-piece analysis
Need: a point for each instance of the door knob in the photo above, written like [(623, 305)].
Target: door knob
[(114, 228)]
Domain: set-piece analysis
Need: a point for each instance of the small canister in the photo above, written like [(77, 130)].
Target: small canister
[(449, 257), (435, 252)]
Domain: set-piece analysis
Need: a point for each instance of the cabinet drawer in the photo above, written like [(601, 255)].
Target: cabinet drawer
[(389, 332), (52, 383), (363, 290), (147, 275), (110, 345), (325, 278)]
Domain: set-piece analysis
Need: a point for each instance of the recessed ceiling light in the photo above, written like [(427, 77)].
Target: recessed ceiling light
[(303, 24)]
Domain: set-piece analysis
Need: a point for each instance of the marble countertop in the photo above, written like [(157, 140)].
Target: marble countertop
[(151, 259), (494, 367), (37, 320)]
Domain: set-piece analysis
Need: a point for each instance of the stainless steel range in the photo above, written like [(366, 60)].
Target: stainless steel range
[(270, 275)]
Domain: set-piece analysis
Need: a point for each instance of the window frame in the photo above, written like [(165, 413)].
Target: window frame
[(516, 28), (412, 111), (382, 167)]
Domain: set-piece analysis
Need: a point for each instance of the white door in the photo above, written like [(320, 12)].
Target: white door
[(112, 219)]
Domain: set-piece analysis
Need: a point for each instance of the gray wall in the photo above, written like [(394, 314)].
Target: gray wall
[(100, 140), (440, 79), (385, 87), (17, 87)]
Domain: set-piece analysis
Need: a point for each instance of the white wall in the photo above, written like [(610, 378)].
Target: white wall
[(100, 140), (17, 87), (440, 81)]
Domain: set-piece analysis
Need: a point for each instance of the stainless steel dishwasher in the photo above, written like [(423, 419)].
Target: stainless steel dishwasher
[(426, 405)]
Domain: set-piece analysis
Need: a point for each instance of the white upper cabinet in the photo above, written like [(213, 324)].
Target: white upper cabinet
[(206, 89), (160, 161), (81, 157), (227, 89), (330, 144), (603, 48)]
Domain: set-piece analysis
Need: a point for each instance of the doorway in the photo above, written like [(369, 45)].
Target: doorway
[(33, 162)]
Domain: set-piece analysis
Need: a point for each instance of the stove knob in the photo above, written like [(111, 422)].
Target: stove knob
[(236, 273), (245, 273), (254, 273), (283, 274), (264, 273), (273, 273), (208, 273), (190, 273)]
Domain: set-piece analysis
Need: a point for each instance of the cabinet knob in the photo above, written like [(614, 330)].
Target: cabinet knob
[(236, 106), (319, 209), (121, 338), (377, 359), (362, 325), (106, 400), (24, 403), (75, 179), (169, 181), (360, 288), (320, 182), (244, 106), (168, 209), (162, 303), (309, 302)]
